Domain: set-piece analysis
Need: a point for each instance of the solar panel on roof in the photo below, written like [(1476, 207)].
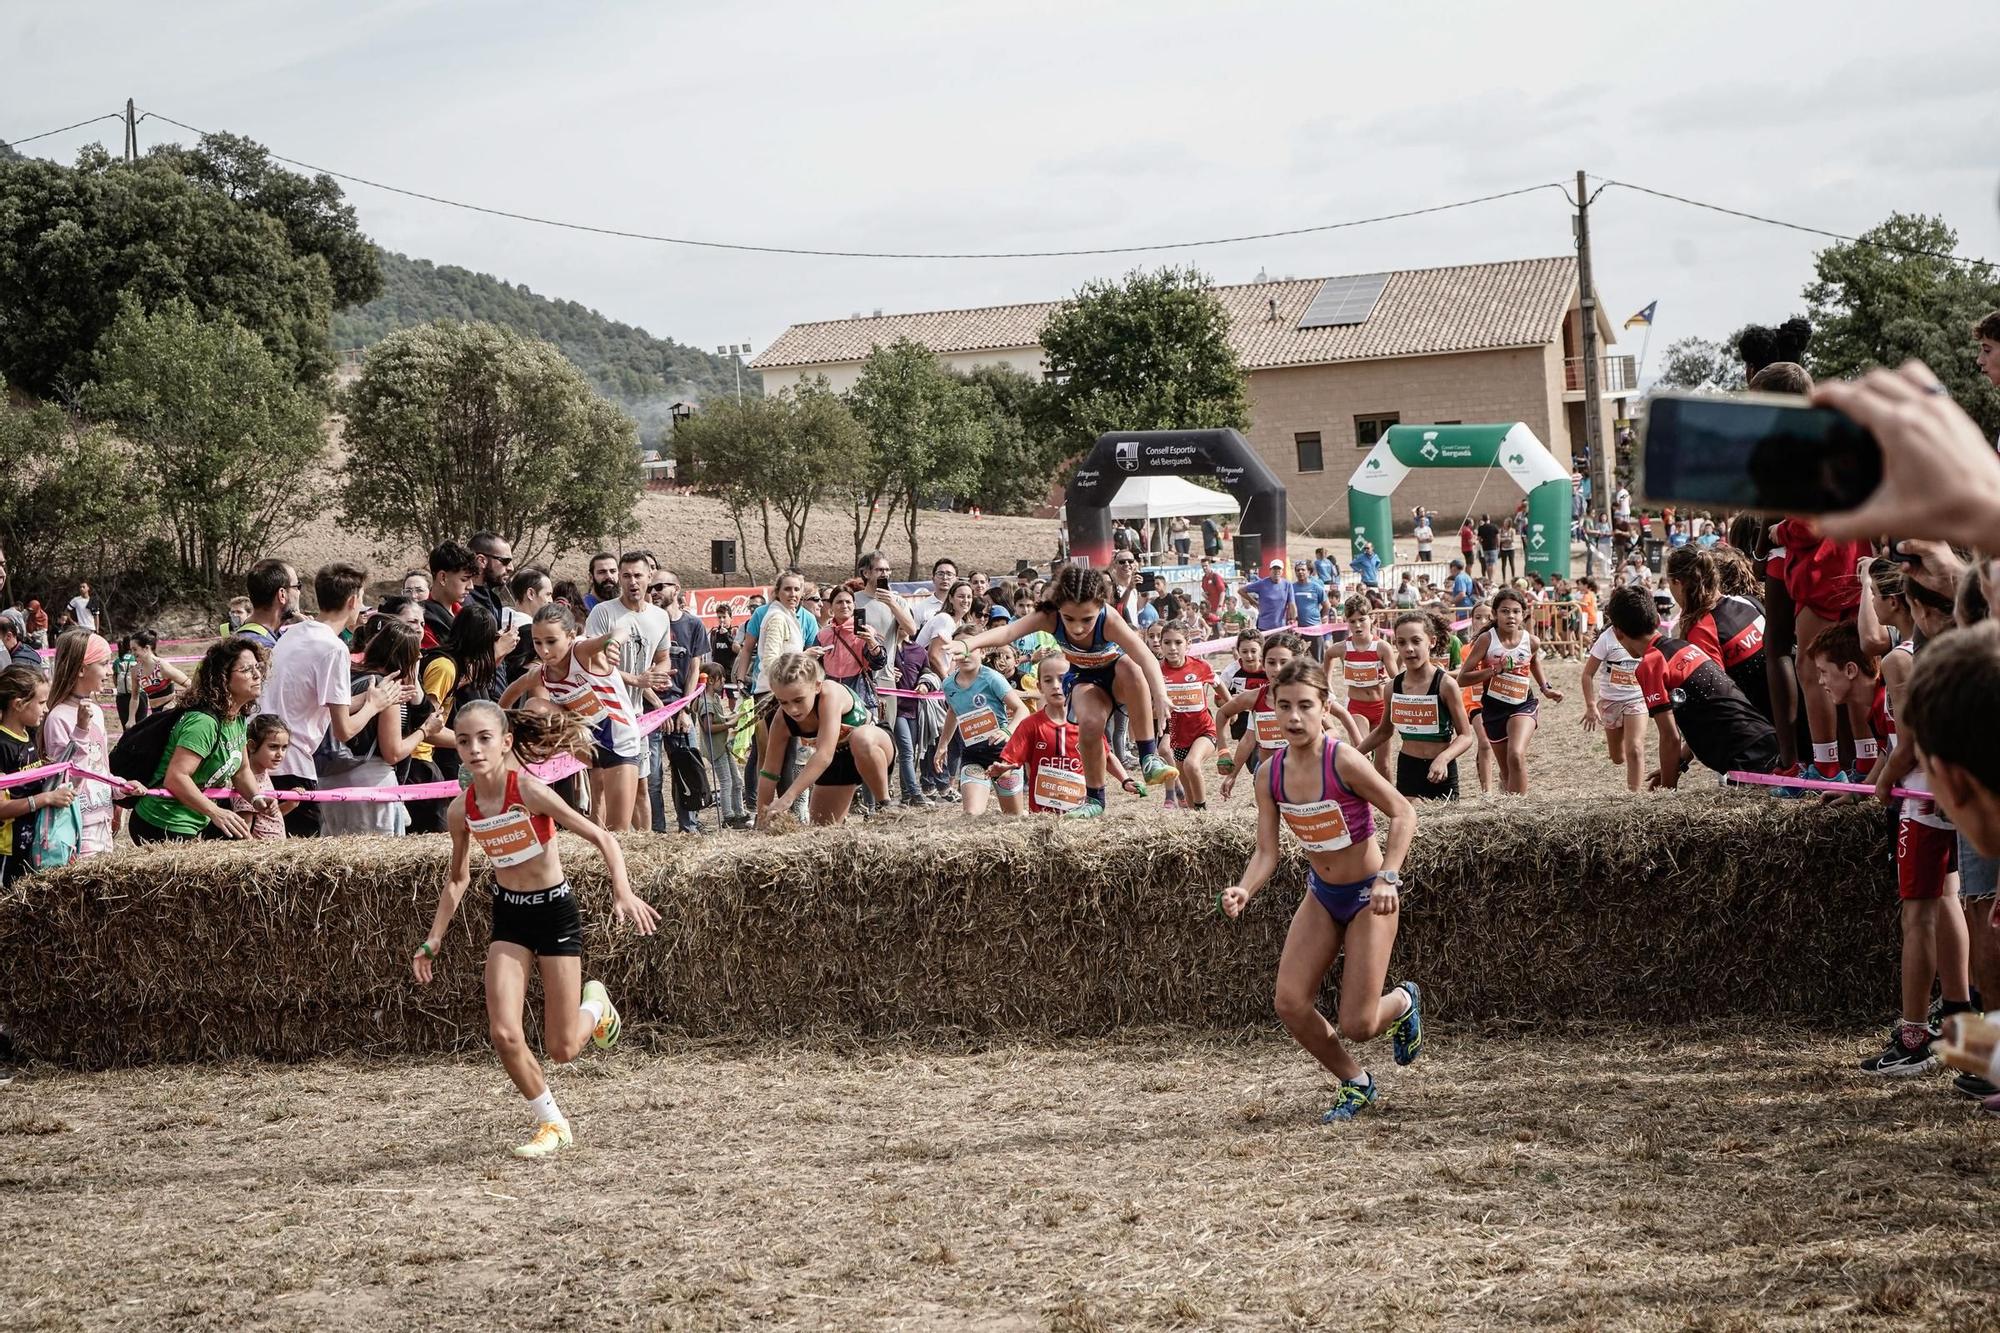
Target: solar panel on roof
[(1344, 301)]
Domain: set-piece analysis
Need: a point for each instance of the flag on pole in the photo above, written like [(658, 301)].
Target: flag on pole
[(1644, 316)]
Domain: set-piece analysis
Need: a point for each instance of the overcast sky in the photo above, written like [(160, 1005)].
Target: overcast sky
[(1041, 126)]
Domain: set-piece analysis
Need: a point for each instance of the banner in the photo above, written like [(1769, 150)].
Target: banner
[(704, 601)]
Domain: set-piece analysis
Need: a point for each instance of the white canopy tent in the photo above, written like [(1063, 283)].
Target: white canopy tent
[(1169, 497)]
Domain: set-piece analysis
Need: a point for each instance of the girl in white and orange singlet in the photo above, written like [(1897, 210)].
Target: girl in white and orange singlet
[(1190, 712), (1327, 795), (1474, 694), (580, 676), (1508, 660), (1364, 666), (513, 817), (1265, 737)]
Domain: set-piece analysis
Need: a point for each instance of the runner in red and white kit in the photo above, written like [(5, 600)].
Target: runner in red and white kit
[(580, 676), (1190, 712), (1047, 749), (1364, 661), (1730, 630)]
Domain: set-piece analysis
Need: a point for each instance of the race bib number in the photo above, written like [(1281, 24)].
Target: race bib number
[(1509, 687), (1364, 674), (1058, 788), (1185, 696), (578, 699), (1414, 714), (508, 838), (978, 725), (1473, 695), (1319, 825), (1269, 737), (1625, 677)]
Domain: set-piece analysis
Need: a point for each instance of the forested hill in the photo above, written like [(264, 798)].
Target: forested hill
[(643, 374)]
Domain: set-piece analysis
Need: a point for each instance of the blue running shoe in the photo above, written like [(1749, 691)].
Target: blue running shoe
[(1407, 1032), (1353, 1100)]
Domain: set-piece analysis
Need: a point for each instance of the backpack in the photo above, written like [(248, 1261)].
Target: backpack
[(58, 836), (139, 753)]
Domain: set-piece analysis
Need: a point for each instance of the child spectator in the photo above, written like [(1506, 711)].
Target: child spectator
[(264, 743)]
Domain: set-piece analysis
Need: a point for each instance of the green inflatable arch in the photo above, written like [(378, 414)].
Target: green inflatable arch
[(1511, 445)]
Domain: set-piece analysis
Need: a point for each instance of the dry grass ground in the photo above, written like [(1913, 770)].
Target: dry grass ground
[(1609, 1179)]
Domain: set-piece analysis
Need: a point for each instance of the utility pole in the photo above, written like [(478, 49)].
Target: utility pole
[(131, 132), (1593, 407)]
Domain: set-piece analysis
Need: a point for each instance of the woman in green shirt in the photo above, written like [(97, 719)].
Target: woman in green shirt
[(205, 750)]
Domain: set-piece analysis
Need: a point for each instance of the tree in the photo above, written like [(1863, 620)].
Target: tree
[(927, 438), (316, 217), (1696, 364), (76, 241), (1023, 451), (230, 440), (77, 503), (781, 455), (1878, 302), (1149, 352), (452, 428)]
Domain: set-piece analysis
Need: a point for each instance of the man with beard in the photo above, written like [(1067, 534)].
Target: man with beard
[(603, 580)]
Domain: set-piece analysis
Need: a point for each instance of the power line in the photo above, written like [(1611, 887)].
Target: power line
[(16, 143), (1797, 226), (881, 254)]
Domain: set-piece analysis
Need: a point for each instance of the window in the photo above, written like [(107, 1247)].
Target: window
[(1308, 446), (1368, 431)]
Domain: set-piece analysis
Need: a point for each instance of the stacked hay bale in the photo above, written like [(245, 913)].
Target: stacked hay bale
[(1658, 909)]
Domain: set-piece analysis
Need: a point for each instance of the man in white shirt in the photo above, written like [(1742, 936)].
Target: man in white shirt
[(943, 574), (645, 660), (306, 685), (82, 610)]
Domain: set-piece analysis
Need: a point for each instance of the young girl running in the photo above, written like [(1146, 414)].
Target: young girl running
[(1110, 667), (1479, 619), (1266, 737), (580, 676), (1327, 796), (1426, 712), (839, 745), (986, 709), (1506, 658), (1045, 747), (1191, 715), (1362, 659), (1246, 677), (513, 817), (1613, 700)]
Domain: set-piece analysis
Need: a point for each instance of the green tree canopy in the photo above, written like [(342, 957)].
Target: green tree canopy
[(77, 503), (1148, 352), (1698, 364), (454, 427), (928, 437), (1024, 449), (229, 440)]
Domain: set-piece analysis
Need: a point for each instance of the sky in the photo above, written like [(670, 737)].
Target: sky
[(941, 126)]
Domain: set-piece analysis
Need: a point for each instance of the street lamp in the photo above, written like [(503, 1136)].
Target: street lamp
[(736, 351)]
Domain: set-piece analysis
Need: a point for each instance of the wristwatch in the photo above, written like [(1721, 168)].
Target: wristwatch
[(1390, 877)]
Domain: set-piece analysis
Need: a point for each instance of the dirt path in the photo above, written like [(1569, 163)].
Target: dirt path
[(1600, 1179)]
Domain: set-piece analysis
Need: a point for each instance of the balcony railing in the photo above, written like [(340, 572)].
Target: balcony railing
[(1616, 374)]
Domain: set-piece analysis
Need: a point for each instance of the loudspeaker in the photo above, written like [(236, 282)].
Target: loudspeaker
[(1249, 554), (722, 556)]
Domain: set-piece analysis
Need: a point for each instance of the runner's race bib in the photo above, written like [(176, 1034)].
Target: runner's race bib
[(1319, 825), (580, 699), (1059, 788), (508, 838), (1509, 687), (1185, 696), (1363, 675), (1414, 714), (1473, 695), (1269, 737), (978, 725), (1625, 677)]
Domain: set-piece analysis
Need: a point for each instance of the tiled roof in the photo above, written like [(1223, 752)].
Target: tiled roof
[(1470, 307)]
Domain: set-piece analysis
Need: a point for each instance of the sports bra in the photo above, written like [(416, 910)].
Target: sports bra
[(1420, 717), (855, 716), (1101, 652), (512, 836), (1335, 820)]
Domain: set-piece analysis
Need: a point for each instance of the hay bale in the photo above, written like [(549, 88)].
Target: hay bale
[(1663, 908)]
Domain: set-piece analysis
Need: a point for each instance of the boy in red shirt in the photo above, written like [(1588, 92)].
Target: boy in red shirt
[(1048, 749)]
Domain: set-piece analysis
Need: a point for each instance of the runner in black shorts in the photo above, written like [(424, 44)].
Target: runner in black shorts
[(1427, 711), (840, 747)]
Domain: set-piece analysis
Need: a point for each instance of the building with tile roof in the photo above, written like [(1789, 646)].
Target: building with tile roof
[(1330, 362)]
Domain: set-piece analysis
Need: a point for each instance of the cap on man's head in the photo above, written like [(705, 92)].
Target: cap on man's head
[(1279, 564)]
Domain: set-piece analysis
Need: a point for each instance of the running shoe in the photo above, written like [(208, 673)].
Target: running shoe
[(608, 1027), (1407, 1032), (1088, 810), (1903, 1057), (1973, 1086), (550, 1139), (1157, 772), (1354, 1098)]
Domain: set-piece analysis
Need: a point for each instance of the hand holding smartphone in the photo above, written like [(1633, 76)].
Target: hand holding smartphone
[(1766, 453)]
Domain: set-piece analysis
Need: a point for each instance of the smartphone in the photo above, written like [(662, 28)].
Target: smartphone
[(1149, 581), (1755, 452)]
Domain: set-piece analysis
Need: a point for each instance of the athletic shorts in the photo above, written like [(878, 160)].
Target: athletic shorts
[(1369, 711), (1976, 874), (1182, 735), (841, 772), (1343, 902), (1495, 716), (1102, 677), (545, 922), (976, 759), (1181, 752), (1925, 856), (1413, 779), (603, 756), (1614, 715)]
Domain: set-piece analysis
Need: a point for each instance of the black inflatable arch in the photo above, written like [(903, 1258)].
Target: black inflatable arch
[(1222, 454)]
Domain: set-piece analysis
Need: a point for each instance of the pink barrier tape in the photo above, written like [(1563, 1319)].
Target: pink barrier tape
[(554, 770), (1817, 784), (912, 694), (28, 775)]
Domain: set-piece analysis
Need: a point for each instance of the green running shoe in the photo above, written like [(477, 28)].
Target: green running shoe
[(608, 1027), (1354, 1098), (1158, 772), (1088, 810)]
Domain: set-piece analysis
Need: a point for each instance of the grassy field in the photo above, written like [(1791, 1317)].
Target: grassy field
[(1600, 1179)]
